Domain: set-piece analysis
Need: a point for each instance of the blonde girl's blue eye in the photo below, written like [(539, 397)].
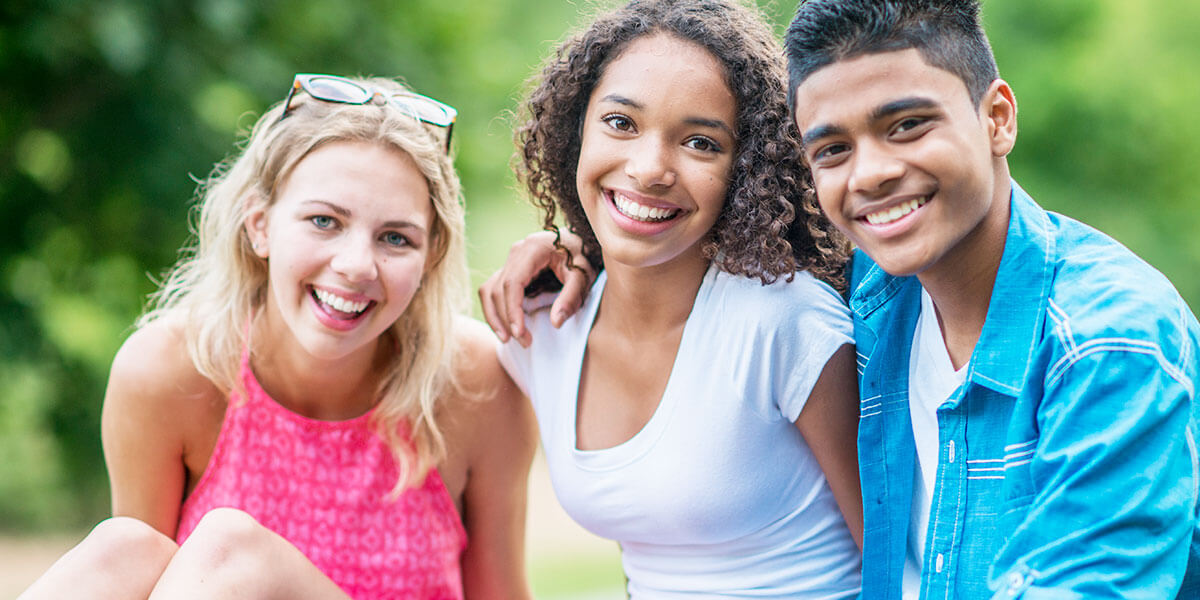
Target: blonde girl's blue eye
[(321, 221), (393, 238)]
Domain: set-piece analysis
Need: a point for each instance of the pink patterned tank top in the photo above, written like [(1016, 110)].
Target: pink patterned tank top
[(323, 485)]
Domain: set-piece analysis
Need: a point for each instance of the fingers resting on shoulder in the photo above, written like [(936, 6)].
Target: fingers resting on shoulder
[(502, 296)]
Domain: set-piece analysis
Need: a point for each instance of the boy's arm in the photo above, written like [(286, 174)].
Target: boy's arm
[(502, 296), (1115, 480)]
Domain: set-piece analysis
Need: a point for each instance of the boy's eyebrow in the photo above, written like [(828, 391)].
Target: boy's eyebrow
[(881, 112), (701, 121), (904, 104), (820, 131)]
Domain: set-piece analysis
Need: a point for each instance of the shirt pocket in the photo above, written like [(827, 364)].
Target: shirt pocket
[(1018, 480)]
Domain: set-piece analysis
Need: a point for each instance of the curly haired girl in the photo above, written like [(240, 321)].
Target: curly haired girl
[(701, 407), (304, 413)]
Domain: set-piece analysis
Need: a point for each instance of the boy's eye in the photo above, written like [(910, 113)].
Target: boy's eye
[(703, 144), (322, 221), (393, 238), (828, 152), (618, 122), (909, 124)]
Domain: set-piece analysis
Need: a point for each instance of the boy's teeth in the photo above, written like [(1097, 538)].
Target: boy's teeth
[(340, 304), (891, 214), (641, 212)]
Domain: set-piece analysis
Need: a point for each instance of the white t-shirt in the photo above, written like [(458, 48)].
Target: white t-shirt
[(931, 381), (717, 496)]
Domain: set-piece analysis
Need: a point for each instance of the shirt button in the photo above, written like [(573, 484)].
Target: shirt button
[(939, 563), (950, 451), (1015, 580)]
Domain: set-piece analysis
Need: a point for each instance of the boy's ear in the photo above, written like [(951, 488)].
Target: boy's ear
[(255, 225), (999, 108)]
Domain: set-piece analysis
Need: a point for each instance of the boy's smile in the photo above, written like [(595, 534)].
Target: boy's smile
[(904, 162)]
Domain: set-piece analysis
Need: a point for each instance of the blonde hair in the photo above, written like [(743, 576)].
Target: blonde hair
[(219, 282)]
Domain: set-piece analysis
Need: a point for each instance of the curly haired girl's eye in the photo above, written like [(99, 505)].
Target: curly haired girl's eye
[(618, 122), (703, 144)]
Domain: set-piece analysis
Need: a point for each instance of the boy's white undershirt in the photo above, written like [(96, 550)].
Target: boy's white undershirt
[(931, 381)]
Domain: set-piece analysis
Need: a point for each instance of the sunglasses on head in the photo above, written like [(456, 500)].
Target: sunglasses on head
[(331, 88)]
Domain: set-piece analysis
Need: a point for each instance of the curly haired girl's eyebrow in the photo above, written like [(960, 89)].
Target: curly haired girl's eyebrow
[(700, 121), (619, 99), (711, 123)]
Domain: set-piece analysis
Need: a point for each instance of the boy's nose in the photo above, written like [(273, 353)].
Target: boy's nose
[(873, 169)]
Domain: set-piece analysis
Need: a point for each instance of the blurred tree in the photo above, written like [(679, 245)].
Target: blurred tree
[(110, 109)]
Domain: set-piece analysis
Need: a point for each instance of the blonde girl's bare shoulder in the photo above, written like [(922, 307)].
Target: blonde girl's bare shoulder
[(485, 401), (153, 372), (477, 366)]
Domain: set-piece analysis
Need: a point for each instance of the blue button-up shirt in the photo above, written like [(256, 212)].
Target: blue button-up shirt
[(1067, 461)]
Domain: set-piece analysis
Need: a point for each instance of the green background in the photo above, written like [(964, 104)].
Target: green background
[(109, 110)]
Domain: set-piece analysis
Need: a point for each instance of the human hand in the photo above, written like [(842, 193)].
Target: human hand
[(502, 295)]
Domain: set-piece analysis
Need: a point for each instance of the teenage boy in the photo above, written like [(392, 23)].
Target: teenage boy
[(1029, 419)]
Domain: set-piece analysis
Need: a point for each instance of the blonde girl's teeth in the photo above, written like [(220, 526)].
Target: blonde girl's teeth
[(340, 304)]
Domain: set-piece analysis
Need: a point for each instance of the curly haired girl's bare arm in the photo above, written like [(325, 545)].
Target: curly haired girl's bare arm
[(829, 424)]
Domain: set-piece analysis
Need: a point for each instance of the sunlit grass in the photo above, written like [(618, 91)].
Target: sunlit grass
[(577, 577)]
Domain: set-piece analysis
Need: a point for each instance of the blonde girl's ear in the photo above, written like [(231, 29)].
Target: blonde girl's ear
[(255, 225)]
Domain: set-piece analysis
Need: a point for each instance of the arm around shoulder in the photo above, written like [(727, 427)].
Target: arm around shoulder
[(502, 435)]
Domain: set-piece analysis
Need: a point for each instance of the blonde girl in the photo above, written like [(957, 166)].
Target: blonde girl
[(304, 412)]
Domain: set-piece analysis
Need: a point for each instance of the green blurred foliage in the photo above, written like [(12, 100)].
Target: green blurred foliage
[(111, 109)]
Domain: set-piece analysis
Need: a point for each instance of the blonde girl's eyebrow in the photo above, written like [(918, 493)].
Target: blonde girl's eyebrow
[(346, 213)]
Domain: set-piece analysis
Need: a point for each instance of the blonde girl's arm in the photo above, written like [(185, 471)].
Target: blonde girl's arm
[(829, 424), (503, 436), (153, 407)]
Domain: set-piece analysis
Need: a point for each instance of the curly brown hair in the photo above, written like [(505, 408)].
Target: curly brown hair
[(757, 233)]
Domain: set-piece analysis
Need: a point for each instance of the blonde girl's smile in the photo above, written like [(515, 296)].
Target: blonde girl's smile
[(339, 310)]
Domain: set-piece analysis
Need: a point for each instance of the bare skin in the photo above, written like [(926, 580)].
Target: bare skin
[(160, 425)]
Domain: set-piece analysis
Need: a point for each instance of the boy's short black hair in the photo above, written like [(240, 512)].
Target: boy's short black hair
[(947, 33)]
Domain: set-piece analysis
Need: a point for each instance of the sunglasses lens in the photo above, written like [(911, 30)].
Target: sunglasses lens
[(427, 109), (336, 89)]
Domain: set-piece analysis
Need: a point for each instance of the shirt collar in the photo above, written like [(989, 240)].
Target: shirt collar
[(1017, 306), (1016, 311)]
